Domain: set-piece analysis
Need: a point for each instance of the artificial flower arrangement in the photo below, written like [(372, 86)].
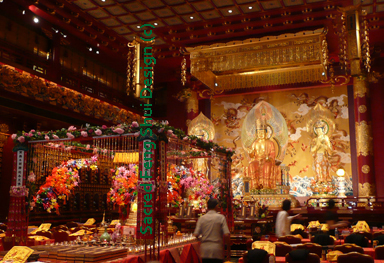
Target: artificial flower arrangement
[(199, 186), (174, 190), (60, 184), (124, 186), (186, 154), (163, 131)]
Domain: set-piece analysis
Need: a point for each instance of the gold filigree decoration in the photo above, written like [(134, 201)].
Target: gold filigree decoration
[(363, 139), (190, 97), (286, 59), (22, 83), (335, 80), (374, 76), (367, 189), (184, 71), (360, 87), (362, 108), (365, 169), (208, 93)]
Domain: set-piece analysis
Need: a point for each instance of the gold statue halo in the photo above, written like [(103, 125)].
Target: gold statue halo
[(202, 126), (319, 116)]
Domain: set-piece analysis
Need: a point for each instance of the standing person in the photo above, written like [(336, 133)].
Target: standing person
[(331, 218), (283, 220), (212, 228)]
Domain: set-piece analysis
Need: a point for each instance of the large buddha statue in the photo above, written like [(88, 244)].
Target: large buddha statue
[(263, 154), (321, 151)]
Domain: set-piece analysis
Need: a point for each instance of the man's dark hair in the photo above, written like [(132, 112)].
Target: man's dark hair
[(286, 205), (331, 204), (212, 203)]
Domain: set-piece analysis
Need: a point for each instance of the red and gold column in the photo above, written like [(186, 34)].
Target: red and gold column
[(363, 124), (17, 218)]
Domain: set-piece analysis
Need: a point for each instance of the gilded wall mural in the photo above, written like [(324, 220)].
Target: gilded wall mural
[(299, 110)]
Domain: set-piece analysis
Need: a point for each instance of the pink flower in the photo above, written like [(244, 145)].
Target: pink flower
[(21, 139), (39, 133), (105, 151), (70, 135), (31, 177), (98, 132), (14, 136), (46, 137), (104, 127), (32, 131), (211, 140), (136, 134), (72, 128), (170, 132), (94, 150), (118, 130), (161, 130), (84, 134), (185, 138), (26, 134), (55, 137), (166, 122), (88, 147), (135, 124), (30, 134)]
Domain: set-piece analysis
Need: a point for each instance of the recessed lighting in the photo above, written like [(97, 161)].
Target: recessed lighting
[(23, 12), (102, 0), (36, 20), (215, 84), (98, 45), (97, 52), (138, 26), (323, 73), (250, 7), (229, 11), (155, 24), (64, 36), (191, 17), (90, 48)]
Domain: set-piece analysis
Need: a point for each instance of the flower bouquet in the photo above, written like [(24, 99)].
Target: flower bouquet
[(174, 190), (124, 187)]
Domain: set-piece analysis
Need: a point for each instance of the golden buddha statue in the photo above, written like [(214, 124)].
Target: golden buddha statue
[(321, 149), (262, 151)]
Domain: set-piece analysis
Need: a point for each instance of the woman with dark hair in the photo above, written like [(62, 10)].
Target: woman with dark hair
[(331, 218), (283, 220)]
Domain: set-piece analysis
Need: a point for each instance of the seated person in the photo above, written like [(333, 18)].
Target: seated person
[(331, 218)]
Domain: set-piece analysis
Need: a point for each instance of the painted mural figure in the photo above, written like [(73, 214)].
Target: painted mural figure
[(321, 151), (262, 151)]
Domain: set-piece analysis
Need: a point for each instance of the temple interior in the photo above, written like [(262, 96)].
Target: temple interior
[(123, 121)]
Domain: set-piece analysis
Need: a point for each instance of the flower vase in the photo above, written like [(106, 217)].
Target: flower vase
[(123, 214)]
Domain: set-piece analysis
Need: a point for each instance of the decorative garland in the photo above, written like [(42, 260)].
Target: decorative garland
[(61, 182), (164, 131)]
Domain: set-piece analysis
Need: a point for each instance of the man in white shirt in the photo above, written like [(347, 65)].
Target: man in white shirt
[(283, 220), (212, 228)]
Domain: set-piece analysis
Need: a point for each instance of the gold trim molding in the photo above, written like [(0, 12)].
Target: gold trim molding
[(367, 189), (267, 61), (363, 139), (360, 87)]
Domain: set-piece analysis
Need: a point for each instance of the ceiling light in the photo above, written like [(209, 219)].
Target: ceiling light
[(215, 84), (250, 7), (98, 45), (102, 0), (90, 48), (1, 1), (229, 11), (191, 17), (155, 24), (23, 12), (97, 52), (138, 26), (64, 36), (36, 20)]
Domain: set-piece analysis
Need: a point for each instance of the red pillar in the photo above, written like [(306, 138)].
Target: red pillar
[(364, 140), (17, 218)]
